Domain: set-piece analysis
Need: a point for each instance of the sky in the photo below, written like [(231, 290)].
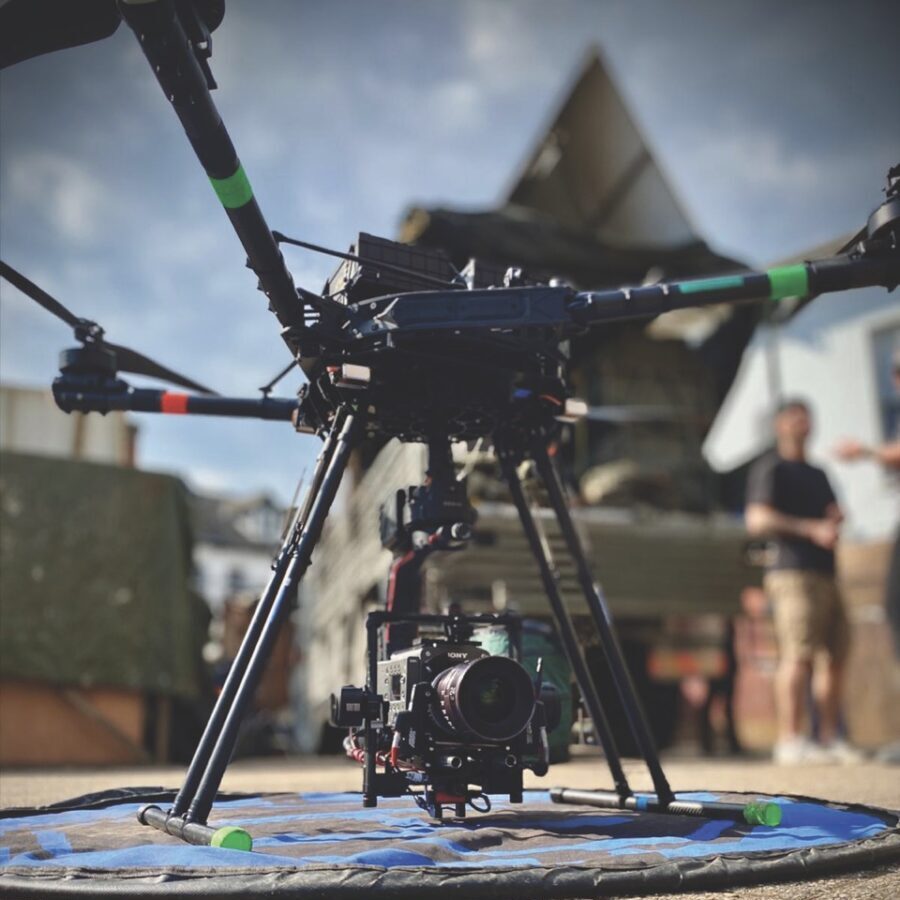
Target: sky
[(774, 122)]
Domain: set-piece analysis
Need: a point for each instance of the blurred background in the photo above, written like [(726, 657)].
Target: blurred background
[(605, 142)]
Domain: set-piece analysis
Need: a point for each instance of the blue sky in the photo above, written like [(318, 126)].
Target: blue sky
[(775, 123)]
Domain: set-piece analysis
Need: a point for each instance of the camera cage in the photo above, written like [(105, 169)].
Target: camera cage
[(448, 772)]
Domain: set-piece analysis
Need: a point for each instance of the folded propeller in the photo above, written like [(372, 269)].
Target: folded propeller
[(96, 355)]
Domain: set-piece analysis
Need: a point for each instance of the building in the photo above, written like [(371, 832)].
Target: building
[(31, 422), (837, 353), (235, 540), (103, 570), (100, 645), (592, 205)]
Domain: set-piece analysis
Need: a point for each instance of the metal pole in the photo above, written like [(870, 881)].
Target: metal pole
[(879, 266), (370, 792), (73, 395), (229, 837), (260, 615), (171, 55), (300, 559), (566, 629), (634, 713), (755, 812)]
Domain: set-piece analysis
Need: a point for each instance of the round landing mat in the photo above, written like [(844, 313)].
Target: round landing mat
[(327, 845)]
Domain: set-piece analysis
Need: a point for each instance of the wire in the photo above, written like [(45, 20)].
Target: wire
[(267, 388), (292, 509), (352, 257)]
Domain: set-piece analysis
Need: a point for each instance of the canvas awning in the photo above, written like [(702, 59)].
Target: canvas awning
[(95, 564)]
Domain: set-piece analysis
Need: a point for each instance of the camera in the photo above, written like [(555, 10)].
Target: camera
[(444, 720)]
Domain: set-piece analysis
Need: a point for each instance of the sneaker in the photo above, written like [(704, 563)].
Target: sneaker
[(844, 752), (798, 751)]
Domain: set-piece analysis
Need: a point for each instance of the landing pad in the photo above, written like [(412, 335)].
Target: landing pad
[(317, 845)]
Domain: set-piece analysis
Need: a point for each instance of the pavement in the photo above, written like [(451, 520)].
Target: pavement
[(870, 783)]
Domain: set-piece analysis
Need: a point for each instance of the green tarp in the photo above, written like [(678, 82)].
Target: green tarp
[(95, 565)]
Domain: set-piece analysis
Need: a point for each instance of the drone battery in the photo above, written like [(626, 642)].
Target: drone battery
[(573, 410), (350, 375), (353, 282)]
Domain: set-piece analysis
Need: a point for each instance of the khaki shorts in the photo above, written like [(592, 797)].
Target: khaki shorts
[(809, 614)]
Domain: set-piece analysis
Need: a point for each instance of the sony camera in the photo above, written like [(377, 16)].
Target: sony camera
[(445, 720)]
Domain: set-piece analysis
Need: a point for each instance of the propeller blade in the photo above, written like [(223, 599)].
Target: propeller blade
[(127, 360), (860, 235), (30, 289), (620, 415), (32, 27)]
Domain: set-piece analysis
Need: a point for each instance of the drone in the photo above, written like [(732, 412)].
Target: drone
[(405, 346)]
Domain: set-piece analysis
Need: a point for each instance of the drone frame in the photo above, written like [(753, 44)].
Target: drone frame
[(315, 330)]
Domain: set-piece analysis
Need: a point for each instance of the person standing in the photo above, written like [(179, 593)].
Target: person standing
[(791, 503), (886, 455)]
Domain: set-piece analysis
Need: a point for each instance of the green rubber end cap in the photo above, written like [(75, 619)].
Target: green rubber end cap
[(231, 838), (763, 814)]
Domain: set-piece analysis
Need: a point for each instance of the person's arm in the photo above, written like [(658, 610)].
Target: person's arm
[(834, 512), (763, 520), (888, 455)]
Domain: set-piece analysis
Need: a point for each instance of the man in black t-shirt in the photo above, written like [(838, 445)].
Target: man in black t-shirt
[(791, 503)]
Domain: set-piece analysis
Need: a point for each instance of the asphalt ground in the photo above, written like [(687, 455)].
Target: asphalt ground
[(870, 783)]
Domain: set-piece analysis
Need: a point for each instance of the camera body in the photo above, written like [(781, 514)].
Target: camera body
[(447, 717)]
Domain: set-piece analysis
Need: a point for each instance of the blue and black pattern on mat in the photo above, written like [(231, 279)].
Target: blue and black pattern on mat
[(334, 830)]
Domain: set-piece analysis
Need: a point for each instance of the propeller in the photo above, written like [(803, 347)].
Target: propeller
[(32, 27), (91, 335), (639, 414), (29, 28)]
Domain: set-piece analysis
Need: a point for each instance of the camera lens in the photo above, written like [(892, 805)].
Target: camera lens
[(489, 699), (492, 698)]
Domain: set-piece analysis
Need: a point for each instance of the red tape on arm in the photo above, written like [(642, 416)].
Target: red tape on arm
[(174, 404)]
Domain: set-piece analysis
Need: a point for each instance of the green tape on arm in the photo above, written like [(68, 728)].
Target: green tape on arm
[(233, 191), (788, 281), (722, 283)]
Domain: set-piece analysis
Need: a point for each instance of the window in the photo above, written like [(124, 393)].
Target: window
[(886, 351), (237, 581)]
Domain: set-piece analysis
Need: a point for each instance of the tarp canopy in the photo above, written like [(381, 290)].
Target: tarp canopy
[(516, 235), (95, 564), (590, 202)]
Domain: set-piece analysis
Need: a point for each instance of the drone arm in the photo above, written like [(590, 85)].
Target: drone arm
[(180, 75), (74, 397), (838, 273)]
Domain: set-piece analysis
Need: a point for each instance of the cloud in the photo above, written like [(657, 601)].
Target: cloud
[(206, 479), (766, 195), (751, 158), (503, 43), (68, 198)]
